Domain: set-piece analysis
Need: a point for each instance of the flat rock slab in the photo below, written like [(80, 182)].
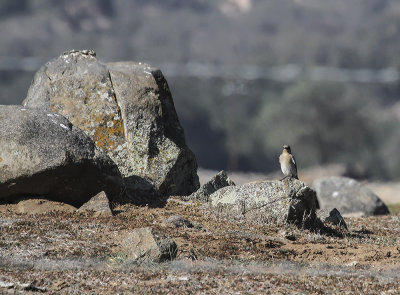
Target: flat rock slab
[(40, 206), (348, 196), (277, 202)]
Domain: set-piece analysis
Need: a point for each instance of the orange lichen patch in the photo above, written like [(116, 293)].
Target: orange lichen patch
[(96, 112), (107, 137), (1, 159)]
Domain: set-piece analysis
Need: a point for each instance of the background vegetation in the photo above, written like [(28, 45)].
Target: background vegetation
[(247, 76)]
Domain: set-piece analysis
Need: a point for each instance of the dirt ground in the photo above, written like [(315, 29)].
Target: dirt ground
[(63, 252)]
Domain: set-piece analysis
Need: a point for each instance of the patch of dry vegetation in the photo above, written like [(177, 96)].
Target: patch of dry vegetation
[(77, 253)]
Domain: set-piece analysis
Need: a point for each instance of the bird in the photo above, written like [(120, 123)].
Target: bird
[(288, 163)]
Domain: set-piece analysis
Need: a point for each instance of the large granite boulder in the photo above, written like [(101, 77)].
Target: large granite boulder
[(128, 111), (348, 196), (43, 155), (289, 201)]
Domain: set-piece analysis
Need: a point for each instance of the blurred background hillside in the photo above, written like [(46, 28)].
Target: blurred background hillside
[(247, 76)]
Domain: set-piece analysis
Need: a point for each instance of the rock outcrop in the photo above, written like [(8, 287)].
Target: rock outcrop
[(43, 155), (277, 202), (348, 196), (128, 111)]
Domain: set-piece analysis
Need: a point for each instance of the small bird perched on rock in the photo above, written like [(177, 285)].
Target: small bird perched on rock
[(288, 163)]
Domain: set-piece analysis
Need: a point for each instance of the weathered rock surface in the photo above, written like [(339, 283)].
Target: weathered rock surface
[(217, 182), (348, 196), (42, 154), (332, 216), (145, 244), (279, 202), (99, 204), (128, 111)]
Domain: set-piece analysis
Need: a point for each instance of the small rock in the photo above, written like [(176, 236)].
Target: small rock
[(183, 278), (353, 263), (31, 287), (99, 204), (144, 244), (332, 216), (177, 221), (289, 235), (6, 285), (217, 182)]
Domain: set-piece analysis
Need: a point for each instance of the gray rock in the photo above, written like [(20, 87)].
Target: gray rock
[(6, 285), (177, 221), (128, 111), (278, 202), (157, 148), (144, 244), (217, 182), (42, 154), (332, 216), (348, 196), (99, 204)]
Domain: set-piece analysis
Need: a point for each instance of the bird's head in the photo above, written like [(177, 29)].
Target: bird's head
[(287, 148)]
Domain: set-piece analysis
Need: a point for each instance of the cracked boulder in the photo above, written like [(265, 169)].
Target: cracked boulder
[(128, 111), (42, 155), (278, 202)]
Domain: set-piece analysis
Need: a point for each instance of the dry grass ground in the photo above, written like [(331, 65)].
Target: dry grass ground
[(70, 253)]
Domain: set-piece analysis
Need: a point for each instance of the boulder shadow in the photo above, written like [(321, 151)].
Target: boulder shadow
[(141, 192)]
